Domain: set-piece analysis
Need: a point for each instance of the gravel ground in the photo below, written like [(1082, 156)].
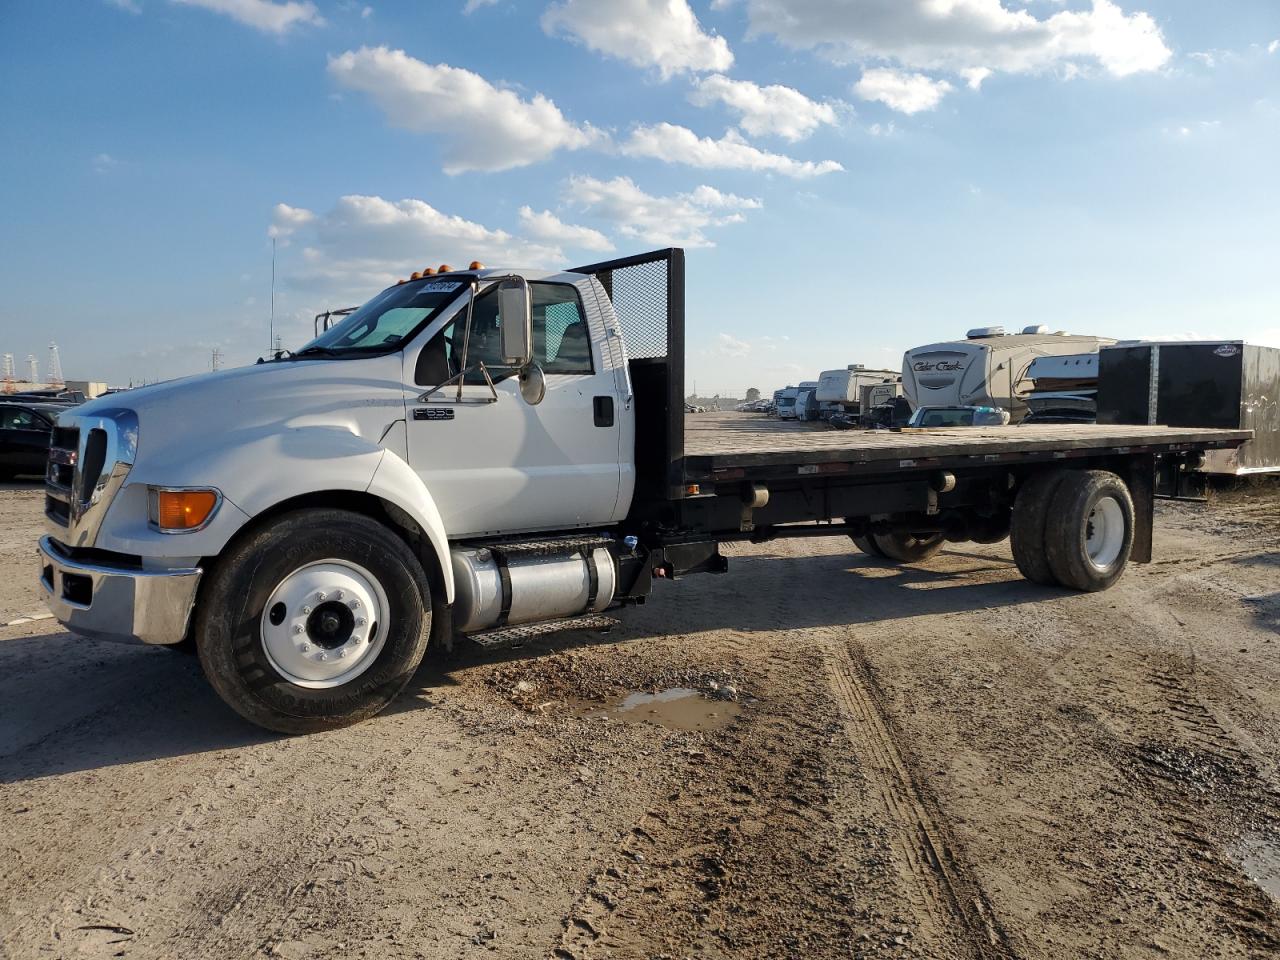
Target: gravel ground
[(938, 761)]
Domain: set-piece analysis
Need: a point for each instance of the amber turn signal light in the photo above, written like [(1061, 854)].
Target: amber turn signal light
[(176, 511)]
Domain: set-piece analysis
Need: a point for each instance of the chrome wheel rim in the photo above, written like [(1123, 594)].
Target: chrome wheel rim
[(325, 624), (1104, 533)]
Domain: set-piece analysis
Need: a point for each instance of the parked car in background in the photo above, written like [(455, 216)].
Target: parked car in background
[(25, 429), (891, 414), (929, 418)]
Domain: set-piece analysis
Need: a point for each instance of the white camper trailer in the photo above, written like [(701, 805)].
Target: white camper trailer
[(840, 391), (988, 368)]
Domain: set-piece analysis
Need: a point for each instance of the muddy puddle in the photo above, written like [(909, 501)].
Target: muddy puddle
[(1258, 855), (676, 708)]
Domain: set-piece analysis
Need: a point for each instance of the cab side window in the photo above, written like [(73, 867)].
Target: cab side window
[(561, 341)]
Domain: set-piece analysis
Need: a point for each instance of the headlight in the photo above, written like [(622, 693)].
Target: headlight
[(185, 510)]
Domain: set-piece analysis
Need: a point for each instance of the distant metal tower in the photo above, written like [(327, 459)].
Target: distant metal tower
[(55, 367), (8, 373), (216, 360), (33, 369)]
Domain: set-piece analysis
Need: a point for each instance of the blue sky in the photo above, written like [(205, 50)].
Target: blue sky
[(852, 177)]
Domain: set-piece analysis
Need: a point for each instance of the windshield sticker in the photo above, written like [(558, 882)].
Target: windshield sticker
[(439, 286)]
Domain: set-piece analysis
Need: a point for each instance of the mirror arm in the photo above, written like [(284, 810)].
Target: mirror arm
[(466, 339)]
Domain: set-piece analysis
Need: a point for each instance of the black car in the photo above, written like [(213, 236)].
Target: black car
[(24, 437)]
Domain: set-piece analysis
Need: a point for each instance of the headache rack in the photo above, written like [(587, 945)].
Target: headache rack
[(647, 292)]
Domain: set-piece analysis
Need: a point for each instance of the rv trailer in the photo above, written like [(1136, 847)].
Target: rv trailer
[(987, 369), (840, 391)]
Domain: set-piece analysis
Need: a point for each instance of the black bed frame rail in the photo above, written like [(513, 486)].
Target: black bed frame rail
[(647, 292)]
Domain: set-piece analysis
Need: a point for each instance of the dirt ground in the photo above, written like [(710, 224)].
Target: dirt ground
[(937, 761)]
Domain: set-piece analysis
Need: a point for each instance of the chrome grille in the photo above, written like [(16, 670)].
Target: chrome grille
[(64, 452), (89, 458)]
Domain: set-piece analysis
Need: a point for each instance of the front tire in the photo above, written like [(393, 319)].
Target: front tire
[(313, 621), (1090, 530)]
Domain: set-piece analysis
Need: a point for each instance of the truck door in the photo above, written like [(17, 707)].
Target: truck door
[(507, 466)]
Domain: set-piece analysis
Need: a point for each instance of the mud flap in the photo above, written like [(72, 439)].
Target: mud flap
[(1142, 487)]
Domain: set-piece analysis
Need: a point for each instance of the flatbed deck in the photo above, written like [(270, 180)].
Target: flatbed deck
[(716, 443)]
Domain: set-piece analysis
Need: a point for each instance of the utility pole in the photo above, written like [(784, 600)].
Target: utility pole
[(216, 360)]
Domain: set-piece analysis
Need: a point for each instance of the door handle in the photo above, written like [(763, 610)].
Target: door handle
[(602, 411)]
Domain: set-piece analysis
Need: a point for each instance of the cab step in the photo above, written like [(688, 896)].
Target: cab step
[(551, 545), (504, 638)]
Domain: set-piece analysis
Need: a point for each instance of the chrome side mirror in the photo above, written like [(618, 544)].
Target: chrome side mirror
[(515, 308), (533, 384)]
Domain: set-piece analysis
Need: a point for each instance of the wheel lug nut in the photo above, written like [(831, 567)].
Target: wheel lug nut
[(305, 648), (353, 604), (306, 609), (361, 622), (297, 628), (320, 595), (324, 656), (338, 595), (342, 653)]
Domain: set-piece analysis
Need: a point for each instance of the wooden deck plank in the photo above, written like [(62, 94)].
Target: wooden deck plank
[(719, 440)]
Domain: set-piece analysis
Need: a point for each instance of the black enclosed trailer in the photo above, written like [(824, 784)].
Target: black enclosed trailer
[(1221, 384), (899, 494)]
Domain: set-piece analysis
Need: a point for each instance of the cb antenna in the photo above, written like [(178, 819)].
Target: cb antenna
[(271, 324)]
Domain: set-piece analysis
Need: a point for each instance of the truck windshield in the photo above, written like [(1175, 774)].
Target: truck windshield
[(387, 319)]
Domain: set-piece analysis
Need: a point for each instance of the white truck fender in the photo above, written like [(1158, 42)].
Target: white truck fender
[(399, 484)]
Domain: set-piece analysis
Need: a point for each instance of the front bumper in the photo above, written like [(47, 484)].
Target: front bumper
[(119, 603)]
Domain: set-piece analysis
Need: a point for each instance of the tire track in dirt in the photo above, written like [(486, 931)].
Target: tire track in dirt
[(950, 903)]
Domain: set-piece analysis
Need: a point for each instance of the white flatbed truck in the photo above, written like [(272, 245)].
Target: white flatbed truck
[(493, 454)]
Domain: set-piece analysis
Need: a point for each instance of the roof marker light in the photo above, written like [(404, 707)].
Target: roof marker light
[(476, 265), (445, 268)]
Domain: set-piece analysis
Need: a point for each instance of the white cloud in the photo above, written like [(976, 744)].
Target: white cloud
[(1273, 46), (954, 35), (673, 144), (679, 220), (264, 15), (473, 5), (546, 226), (287, 220), (104, 163), (975, 76), (129, 6), (731, 347), (774, 109), (484, 127), (366, 242), (901, 91), (647, 33)]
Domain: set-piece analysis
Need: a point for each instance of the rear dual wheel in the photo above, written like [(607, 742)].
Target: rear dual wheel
[(902, 547), (1073, 528)]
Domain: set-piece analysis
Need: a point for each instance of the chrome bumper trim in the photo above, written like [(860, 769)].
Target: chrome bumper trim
[(147, 606)]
